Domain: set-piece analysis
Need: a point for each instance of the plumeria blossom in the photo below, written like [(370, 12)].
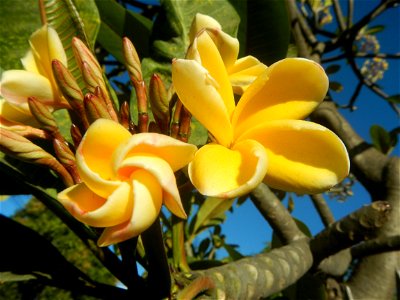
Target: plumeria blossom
[(262, 138), (36, 80), (241, 71), (125, 180)]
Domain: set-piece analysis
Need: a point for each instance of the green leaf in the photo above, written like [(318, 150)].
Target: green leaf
[(198, 133), (18, 20), (63, 16), (331, 69), (212, 208), (91, 19), (394, 99), (382, 139), (118, 22), (170, 35), (335, 86), (374, 29), (233, 253), (10, 277), (267, 30)]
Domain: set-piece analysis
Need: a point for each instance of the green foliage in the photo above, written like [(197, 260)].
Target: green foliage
[(18, 19), (383, 140)]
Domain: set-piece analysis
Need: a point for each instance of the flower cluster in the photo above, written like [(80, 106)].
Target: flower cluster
[(122, 177)]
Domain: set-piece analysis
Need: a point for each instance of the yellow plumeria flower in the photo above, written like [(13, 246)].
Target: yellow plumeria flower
[(125, 179), (36, 80), (242, 72), (262, 138)]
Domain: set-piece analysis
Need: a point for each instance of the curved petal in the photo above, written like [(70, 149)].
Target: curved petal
[(304, 157), (244, 72), (211, 60), (227, 173), (94, 155), (228, 47), (94, 210), (29, 63), (18, 85), (200, 22), (162, 171), (147, 198), (14, 113), (198, 92), (289, 89), (176, 153)]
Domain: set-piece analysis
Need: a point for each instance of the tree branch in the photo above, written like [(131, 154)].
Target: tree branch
[(323, 209), (375, 246), (354, 228), (276, 214), (259, 276)]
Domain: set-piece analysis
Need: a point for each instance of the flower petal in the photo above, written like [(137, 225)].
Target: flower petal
[(29, 63), (198, 90), (176, 153), (227, 173), (18, 85), (244, 72), (211, 60), (94, 155), (147, 198), (14, 113), (289, 89), (162, 171), (201, 21), (304, 157), (94, 210)]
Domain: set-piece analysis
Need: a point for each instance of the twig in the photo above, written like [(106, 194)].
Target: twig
[(339, 15), (276, 214), (375, 246), (323, 209)]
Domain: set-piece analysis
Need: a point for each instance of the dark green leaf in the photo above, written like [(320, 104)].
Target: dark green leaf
[(381, 139), (118, 22), (331, 69), (233, 253), (335, 86), (198, 133), (267, 30), (90, 16), (394, 99)]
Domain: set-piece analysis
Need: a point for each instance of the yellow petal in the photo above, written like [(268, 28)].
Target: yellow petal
[(200, 22), (94, 155), (228, 47), (18, 85), (227, 173), (176, 153), (94, 210), (14, 113), (289, 89), (147, 198), (162, 171), (211, 60), (198, 92), (303, 157), (244, 72), (29, 63)]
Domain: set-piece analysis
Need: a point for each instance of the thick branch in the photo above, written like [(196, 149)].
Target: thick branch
[(375, 246), (276, 214), (350, 230), (259, 276)]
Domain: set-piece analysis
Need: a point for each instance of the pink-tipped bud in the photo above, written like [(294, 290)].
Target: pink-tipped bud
[(42, 114), (159, 102), (95, 108), (132, 61)]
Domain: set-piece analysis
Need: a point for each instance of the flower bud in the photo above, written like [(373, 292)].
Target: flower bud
[(95, 108), (42, 114), (83, 54), (23, 149), (66, 157), (76, 135), (159, 102), (132, 61)]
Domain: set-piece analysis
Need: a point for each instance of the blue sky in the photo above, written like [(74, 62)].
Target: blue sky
[(245, 226)]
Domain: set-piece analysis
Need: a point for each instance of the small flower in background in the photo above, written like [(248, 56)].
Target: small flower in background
[(262, 138), (125, 180), (241, 72), (367, 43), (36, 80), (373, 69)]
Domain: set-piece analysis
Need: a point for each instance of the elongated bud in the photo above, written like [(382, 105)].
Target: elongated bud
[(184, 128), (125, 114), (23, 149), (83, 54), (76, 135), (103, 95), (159, 102), (175, 119), (95, 108), (67, 158), (42, 114), (132, 61)]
